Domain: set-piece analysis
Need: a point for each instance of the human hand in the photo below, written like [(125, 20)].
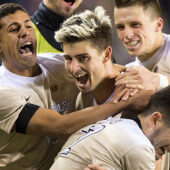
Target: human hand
[(139, 101), (123, 93), (138, 77), (114, 70), (94, 167)]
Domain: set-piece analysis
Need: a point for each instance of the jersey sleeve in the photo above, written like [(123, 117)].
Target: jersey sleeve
[(12, 102), (141, 157)]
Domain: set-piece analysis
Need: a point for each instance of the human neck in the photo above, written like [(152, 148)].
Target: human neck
[(31, 72), (49, 5), (106, 87), (104, 90), (144, 124)]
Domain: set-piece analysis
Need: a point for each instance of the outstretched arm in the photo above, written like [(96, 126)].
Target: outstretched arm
[(48, 122), (31, 119)]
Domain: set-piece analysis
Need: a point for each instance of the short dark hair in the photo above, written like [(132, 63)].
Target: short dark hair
[(160, 102), (10, 8), (153, 4)]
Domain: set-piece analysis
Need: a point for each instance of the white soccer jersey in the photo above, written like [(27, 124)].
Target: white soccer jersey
[(118, 144), (160, 63), (53, 89)]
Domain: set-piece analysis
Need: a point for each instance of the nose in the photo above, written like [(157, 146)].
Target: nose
[(74, 66), (23, 33), (128, 32)]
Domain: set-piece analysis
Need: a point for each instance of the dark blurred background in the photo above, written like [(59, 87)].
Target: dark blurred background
[(119, 53)]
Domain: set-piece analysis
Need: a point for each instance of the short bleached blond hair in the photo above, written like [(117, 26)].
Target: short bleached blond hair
[(94, 25)]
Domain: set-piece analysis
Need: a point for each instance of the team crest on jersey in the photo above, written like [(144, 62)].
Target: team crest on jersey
[(62, 107), (54, 88)]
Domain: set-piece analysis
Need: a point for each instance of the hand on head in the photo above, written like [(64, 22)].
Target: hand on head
[(139, 101), (138, 77)]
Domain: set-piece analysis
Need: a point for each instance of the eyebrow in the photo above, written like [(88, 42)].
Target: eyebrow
[(16, 23), (78, 55)]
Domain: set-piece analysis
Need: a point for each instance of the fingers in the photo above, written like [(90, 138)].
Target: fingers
[(131, 82), (129, 93), (120, 68), (126, 74), (133, 92), (139, 101), (119, 95), (94, 167), (135, 86), (126, 95)]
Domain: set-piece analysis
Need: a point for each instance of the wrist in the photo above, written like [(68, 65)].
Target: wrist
[(163, 81)]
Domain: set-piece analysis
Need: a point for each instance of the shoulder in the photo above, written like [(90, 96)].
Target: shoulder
[(128, 132), (53, 62), (140, 157), (47, 57), (9, 96), (165, 48)]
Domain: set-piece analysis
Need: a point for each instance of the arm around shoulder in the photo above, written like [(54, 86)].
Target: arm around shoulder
[(49, 122)]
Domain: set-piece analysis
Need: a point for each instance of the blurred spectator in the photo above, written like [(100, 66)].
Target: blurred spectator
[(48, 18), (120, 54)]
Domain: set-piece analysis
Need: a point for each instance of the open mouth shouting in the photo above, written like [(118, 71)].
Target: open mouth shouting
[(26, 49), (81, 80), (70, 2)]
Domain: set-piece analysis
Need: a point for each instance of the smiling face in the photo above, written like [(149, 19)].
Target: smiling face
[(138, 31), (85, 63), (17, 42), (63, 7)]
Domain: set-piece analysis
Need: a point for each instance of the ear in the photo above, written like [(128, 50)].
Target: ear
[(107, 54), (155, 119), (160, 24)]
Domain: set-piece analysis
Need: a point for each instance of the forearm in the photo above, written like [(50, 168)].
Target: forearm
[(48, 122), (164, 81), (82, 118)]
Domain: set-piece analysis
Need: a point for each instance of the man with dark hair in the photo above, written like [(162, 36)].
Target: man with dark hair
[(131, 144), (48, 18), (35, 92), (139, 28), (86, 39)]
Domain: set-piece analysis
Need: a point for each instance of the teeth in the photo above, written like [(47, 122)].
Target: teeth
[(27, 43), (133, 43), (27, 54), (80, 75)]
